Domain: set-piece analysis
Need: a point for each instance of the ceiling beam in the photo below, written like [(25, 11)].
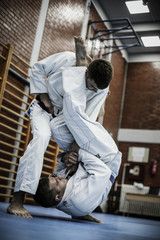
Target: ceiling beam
[(144, 27), (150, 57)]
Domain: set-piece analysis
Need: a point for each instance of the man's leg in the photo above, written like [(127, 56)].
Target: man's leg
[(31, 162), (88, 217), (16, 205), (61, 133), (82, 58)]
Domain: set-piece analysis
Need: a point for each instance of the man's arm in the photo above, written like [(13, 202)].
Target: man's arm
[(71, 162), (44, 97), (48, 66), (66, 162), (74, 147), (54, 62)]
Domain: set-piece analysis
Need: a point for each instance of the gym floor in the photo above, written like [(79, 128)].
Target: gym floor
[(49, 223)]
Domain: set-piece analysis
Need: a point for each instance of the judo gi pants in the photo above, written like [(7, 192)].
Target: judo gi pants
[(31, 162)]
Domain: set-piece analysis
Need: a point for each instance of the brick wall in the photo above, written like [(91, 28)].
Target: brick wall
[(113, 102), (64, 21), (18, 23), (142, 111), (142, 97)]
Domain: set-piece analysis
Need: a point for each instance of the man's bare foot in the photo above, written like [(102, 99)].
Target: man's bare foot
[(16, 206), (82, 58), (88, 217), (19, 210)]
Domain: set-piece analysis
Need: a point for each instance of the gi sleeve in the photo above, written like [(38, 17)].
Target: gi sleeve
[(93, 165), (60, 168), (48, 66), (74, 103), (92, 188)]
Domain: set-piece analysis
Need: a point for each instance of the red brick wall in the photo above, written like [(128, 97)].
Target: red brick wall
[(142, 111), (113, 102), (142, 97), (18, 23), (64, 21)]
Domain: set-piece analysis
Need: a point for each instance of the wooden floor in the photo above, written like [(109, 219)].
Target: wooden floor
[(51, 224)]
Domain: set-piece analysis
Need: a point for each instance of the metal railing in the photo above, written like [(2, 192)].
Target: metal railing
[(119, 31)]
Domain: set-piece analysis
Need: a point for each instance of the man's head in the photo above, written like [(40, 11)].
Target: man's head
[(50, 191), (99, 74)]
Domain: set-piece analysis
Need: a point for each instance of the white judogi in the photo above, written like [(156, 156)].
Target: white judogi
[(89, 186), (31, 162), (53, 67), (99, 156)]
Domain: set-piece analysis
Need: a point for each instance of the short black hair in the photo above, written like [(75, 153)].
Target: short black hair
[(101, 71), (45, 196)]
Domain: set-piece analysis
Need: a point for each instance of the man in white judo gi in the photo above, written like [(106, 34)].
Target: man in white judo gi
[(49, 104), (99, 162)]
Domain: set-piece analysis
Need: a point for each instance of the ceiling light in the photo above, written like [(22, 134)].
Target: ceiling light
[(135, 7), (153, 41)]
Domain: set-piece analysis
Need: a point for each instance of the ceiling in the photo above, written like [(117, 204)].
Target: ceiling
[(146, 24)]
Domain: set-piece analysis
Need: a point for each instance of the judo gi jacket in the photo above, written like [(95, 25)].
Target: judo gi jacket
[(46, 77), (89, 186)]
